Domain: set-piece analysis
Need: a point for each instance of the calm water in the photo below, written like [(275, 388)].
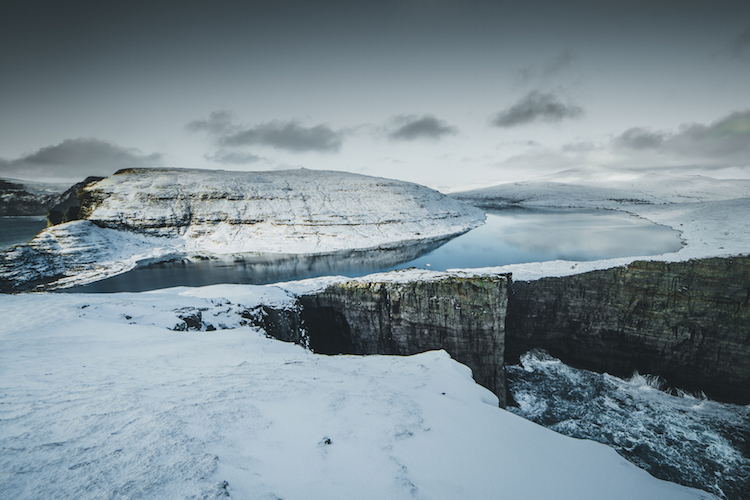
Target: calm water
[(510, 236), (19, 230)]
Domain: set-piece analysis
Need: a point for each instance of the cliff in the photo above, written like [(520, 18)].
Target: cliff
[(688, 322), (68, 204), (463, 315)]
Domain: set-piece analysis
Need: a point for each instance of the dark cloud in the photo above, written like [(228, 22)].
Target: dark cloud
[(218, 122), (536, 106), (425, 127), (728, 137), (234, 157), (285, 135), (725, 141), (641, 138), (77, 158), (290, 136)]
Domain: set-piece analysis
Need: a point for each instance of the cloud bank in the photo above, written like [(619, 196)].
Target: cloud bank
[(410, 128), (536, 107), (723, 142), (233, 157), (284, 135), (75, 159), (719, 148)]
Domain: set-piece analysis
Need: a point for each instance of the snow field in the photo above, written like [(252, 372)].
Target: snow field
[(99, 398)]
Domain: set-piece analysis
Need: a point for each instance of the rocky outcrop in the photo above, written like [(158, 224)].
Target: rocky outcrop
[(463, 315), (21, 198), (18, 199), (688, 322), (68, 204)]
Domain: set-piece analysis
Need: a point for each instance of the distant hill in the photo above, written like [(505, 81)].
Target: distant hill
[(602, 187), (32, 198)]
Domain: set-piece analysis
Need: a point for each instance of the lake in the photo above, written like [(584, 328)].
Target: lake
[(19, 230), (510, 236)]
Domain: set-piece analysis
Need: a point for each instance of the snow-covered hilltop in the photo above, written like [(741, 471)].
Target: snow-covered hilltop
[(291, 211), (712, 215), (603, 187), (148, 215)]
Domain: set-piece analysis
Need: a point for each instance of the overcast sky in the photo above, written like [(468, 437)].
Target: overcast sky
[(446, 93)]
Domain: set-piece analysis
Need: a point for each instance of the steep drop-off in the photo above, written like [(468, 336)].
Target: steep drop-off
[(688, 322), (463, 315)]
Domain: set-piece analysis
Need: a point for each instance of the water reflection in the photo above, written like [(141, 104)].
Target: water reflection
[(517, 235), (509, 236), (257, 269)]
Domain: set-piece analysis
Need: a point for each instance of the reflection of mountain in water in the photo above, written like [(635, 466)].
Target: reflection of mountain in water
[(259, 268), (508, 237)]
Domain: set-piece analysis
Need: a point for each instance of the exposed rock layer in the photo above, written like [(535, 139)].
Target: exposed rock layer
[(292, 211), (464, 316), (688, 322)]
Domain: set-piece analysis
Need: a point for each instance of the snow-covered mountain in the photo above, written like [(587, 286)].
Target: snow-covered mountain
[(148, 215), (603, 187), (290, 211)]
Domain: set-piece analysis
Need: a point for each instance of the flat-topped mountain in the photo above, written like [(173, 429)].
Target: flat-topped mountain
[(148, 215), (291, 211)]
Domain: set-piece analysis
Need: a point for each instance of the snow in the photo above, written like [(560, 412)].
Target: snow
[(712, 215), (150, 215), (100, 398)]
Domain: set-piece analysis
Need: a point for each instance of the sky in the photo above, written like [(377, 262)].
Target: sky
[(450, 94)]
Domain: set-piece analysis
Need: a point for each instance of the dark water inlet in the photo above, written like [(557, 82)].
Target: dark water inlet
[(509, 236), (19, 230)]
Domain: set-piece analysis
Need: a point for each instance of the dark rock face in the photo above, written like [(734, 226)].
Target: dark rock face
[(464, 316), (281, 324), (19, 199), (16, 199), (68, 204), (688, 322)]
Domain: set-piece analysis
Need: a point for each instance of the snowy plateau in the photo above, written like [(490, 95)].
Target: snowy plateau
[(105, 395)]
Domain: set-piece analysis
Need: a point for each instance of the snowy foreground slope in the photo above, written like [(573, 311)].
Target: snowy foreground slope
[(147, 215), (101, 399), (712, 215)]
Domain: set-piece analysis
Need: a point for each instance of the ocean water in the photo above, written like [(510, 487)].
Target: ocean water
[(679, 437), (509, 236), (19, 230)]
